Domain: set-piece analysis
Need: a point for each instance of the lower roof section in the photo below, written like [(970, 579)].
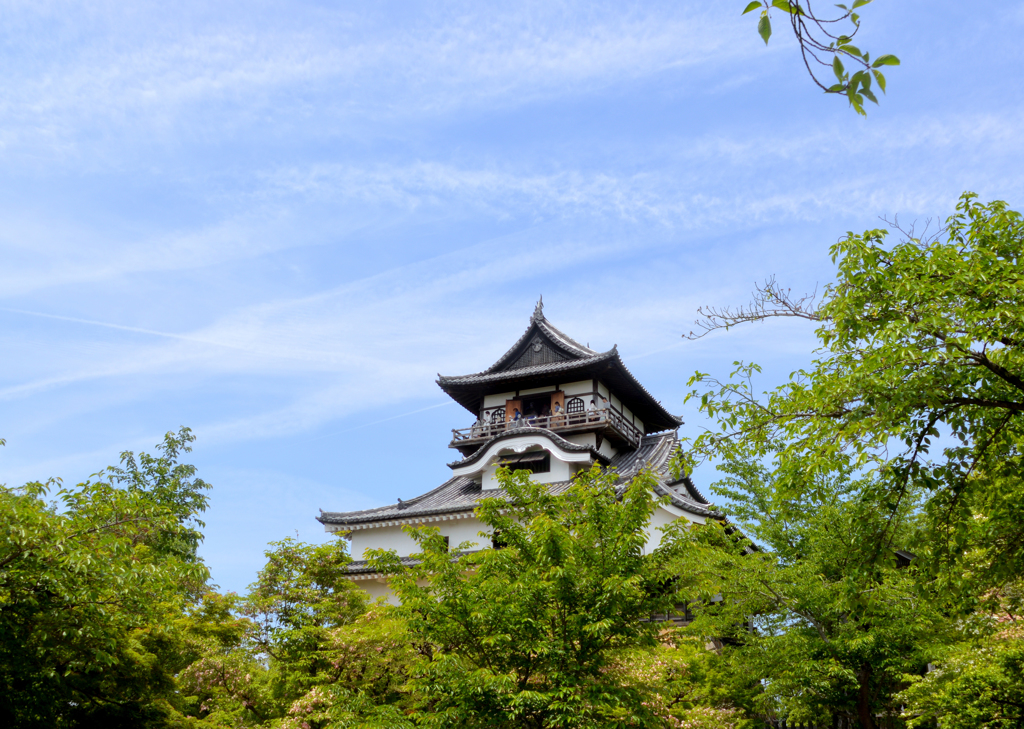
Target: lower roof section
[(460, 495)]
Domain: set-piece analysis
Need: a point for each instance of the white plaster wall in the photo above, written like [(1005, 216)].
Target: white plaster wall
[(578, 388), (463, 530), (590, 439), (560, 471), (457, 531), (382, 538), (601, 389), (378, 587), (587, 439), (537, 390), (663, 516), (607, 449), (493, 401)]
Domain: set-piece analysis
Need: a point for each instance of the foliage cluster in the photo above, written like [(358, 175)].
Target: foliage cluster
[(90, 582), (902, 438), (819, 41)]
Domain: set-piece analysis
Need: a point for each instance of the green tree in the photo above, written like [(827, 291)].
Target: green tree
[(300, 650), (535, 632), (833, 630), (90, 585), (917, 396), (979, 680), (921, 347)]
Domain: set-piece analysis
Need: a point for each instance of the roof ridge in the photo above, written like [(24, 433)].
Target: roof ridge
[(559, 338), (567, 364), (399, 504), (551, 329)]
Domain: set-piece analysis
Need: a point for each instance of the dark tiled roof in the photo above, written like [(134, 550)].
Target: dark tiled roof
[(559, 358), (461, 494), (492, 375), (526, 430), (469, 390), (362, 566), (539, 324)]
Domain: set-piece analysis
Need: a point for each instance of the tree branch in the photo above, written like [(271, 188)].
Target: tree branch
[(770, 301)]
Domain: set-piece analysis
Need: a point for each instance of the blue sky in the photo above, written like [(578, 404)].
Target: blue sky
[(275, 223)]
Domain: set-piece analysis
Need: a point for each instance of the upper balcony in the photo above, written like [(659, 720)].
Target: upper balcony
[(607, 422)]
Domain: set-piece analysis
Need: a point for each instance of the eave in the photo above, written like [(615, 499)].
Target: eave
[(608, 367)]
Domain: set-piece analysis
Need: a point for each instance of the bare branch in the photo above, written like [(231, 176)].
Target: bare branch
[(770, 301), (910, 234)]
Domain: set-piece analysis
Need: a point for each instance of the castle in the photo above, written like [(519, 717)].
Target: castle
[(550, 405)]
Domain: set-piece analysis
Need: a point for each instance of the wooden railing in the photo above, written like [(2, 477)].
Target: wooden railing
[(580, 421)]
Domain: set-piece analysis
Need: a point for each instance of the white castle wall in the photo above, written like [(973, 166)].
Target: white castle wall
[(393, 537), (468, 530)]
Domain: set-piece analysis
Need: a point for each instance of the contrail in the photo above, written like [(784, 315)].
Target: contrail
[(656, 351), (121, 327)]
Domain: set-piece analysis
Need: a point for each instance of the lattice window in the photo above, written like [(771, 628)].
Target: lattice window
[(574, 406), (497, 416)]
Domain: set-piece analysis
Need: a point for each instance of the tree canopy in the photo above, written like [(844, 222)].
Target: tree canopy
[(534, 633), (904, 435), (91, 581)]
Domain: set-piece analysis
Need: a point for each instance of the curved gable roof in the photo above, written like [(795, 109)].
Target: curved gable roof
[(541, 343), (555, 439), (546, 356)]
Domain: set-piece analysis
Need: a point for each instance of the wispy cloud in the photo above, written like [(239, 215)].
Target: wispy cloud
[(164, 72), (676, 197)]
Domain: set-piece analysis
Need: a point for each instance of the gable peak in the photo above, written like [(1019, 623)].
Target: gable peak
[(538, 311)]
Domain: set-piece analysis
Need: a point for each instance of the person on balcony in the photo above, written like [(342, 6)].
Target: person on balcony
[(517, 419), (531, 418), (592, 411), (557, 416)]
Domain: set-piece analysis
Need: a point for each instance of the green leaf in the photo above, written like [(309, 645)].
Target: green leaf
[(752, 6), (835, 89), (857, 102), (764, 27), (880, 79), (784, 6), (859, 4), (852, 50), (868, 93), (837, 68), (886, 60)]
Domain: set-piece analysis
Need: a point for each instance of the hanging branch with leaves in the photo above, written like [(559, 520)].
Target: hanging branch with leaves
[(821, 45)]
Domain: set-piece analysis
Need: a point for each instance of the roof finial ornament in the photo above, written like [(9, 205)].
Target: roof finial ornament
[(538, 312)]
